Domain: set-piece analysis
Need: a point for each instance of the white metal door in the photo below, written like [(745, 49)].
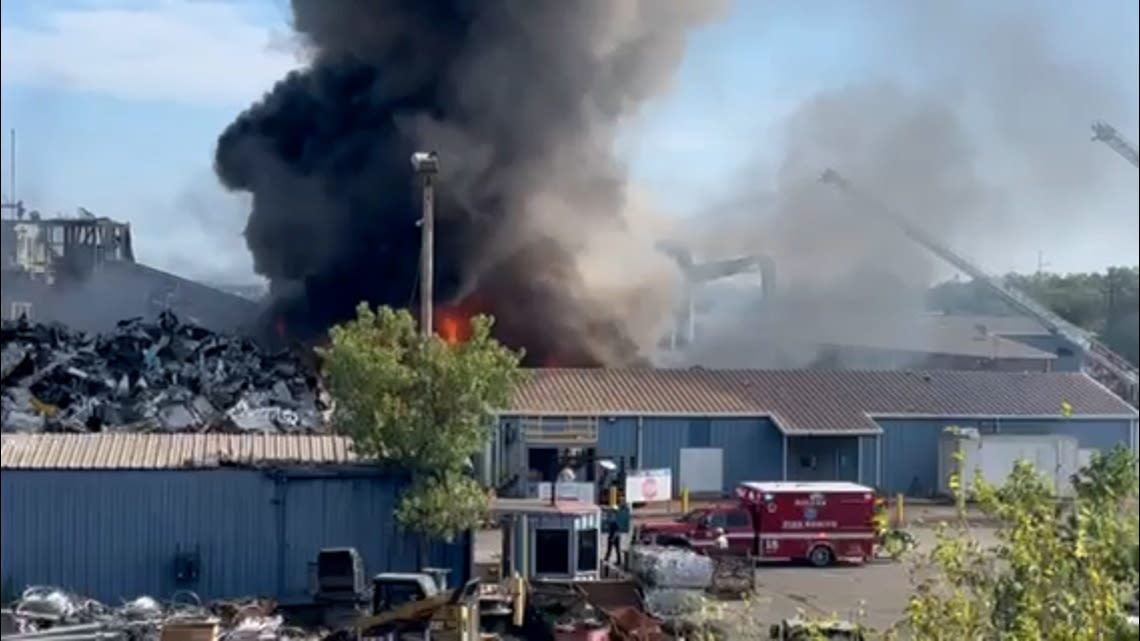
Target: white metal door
[(702, 469)]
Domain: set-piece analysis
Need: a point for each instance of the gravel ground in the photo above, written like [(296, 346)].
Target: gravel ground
[(874, 593)]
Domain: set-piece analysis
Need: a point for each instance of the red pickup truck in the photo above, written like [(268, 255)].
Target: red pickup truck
[(819, 522)]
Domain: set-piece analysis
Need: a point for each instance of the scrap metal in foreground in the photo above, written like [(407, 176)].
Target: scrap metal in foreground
[(164, 376)]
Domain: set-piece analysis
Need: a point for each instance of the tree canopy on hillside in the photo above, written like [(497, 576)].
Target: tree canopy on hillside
[(1103, 302)]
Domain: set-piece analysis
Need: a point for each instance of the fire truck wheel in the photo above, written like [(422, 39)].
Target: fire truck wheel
[(821, 556)]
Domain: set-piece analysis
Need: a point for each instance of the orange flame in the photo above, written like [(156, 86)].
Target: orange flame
[(453, 322), (449, 328)]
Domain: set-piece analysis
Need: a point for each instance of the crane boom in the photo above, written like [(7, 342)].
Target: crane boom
[(1106, 366), (1106, 133)]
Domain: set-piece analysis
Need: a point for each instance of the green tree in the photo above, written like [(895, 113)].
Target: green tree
[(423, 404), (1060, 571)]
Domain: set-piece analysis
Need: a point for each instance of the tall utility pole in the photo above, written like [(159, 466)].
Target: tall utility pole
[(426, 164)]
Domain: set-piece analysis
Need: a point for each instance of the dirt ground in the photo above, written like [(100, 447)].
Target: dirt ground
[(874, 594)]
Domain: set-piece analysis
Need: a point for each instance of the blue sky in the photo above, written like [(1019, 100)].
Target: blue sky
[(117, 105)]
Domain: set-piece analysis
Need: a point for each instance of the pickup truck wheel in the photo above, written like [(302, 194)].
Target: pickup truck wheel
[(821, 556)]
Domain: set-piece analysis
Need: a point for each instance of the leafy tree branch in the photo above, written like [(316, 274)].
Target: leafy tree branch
[(422, 403)]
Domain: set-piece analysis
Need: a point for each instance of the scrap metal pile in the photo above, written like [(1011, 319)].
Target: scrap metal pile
[(670, 567), (45, 613), (162, 376), (677, 583)]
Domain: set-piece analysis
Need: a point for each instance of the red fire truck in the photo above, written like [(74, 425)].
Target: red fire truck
[(819, 522)]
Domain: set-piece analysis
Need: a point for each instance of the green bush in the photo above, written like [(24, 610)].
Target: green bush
[(1061, 571)]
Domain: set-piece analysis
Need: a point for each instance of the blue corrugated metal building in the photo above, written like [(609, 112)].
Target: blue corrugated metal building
[(879, 428), (114, 516)]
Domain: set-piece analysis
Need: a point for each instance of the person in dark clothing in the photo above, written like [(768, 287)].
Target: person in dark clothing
[(614, 528)]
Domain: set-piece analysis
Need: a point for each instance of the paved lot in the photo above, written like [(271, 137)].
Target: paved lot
[(875, 593)]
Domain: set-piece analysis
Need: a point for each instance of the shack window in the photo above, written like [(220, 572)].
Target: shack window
[(551, 551), (739, 519), (587, 550)]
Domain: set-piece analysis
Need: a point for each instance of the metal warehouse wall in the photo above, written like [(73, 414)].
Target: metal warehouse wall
[(1069, 357), (618, 437), (753, 447), (837, 458), (824, 458), (869, 460), (910, 447), (115, 534)]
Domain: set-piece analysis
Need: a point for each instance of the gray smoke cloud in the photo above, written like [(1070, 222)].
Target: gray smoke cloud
[(974, 126), (522, 99)]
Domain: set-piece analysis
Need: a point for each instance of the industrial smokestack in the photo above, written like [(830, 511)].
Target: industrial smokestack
[(521, 99)]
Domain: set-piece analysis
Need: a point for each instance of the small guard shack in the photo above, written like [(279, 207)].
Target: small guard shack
[(550, 540)]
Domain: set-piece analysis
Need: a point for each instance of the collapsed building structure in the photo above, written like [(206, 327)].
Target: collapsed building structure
[(81, 271)]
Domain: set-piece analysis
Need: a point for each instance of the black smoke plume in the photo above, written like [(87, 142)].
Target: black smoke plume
[(522, 99)]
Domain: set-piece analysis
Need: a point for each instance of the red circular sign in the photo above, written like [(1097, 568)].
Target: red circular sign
[(649, 488)]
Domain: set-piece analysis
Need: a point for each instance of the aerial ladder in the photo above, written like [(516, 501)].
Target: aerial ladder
[(1106, 133), (1101, 363)]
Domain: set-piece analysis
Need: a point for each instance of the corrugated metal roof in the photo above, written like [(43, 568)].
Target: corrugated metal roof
[(814, 401), (1000, 325), (977, 336), (168, 451), (960, 336), (800, 401)]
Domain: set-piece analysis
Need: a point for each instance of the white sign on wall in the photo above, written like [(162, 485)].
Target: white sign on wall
[(649, 486)]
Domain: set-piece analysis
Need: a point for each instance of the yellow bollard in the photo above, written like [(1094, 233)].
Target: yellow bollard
[(684, 500), (899, 515), (613, 496)]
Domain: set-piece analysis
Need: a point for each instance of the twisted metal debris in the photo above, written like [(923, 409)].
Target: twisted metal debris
[(48, 613), (162, 376)]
